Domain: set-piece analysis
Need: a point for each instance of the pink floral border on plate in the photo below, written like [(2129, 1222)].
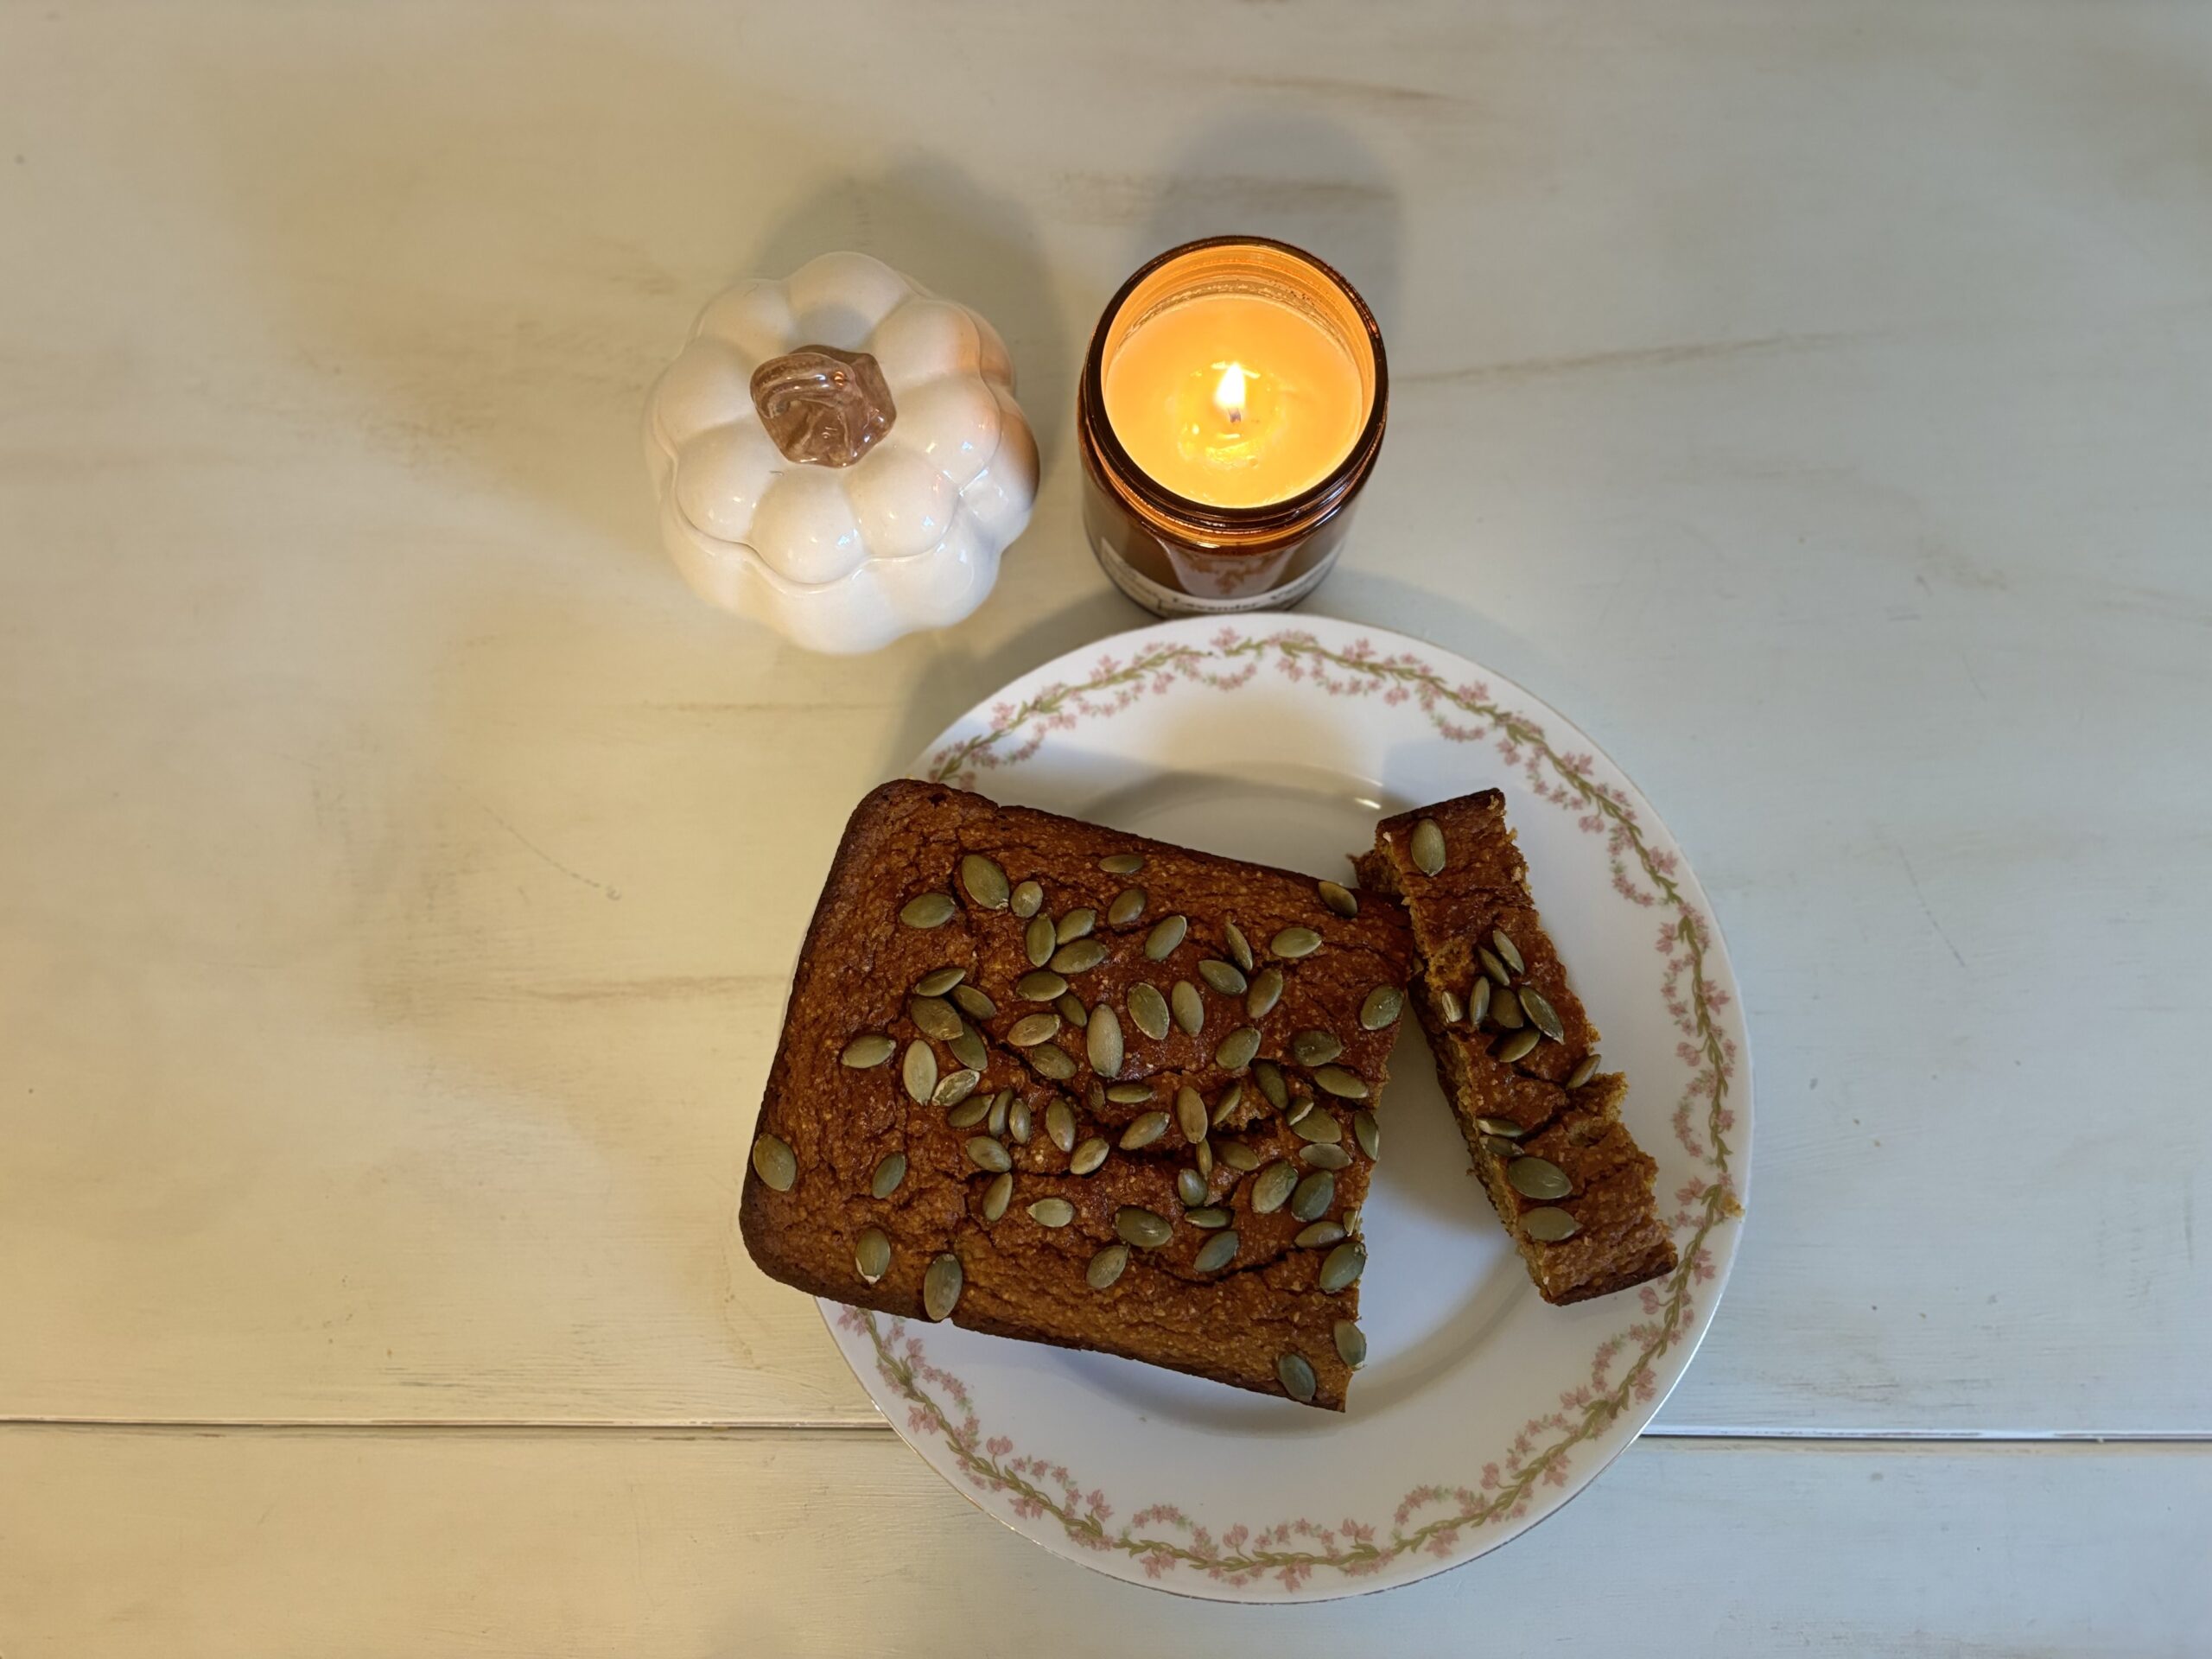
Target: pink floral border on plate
[(1428, 1518)]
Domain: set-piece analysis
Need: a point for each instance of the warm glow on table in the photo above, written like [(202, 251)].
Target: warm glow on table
[(1234, 400)]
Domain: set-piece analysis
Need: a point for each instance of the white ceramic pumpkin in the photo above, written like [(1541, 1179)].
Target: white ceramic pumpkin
[(839, 454)]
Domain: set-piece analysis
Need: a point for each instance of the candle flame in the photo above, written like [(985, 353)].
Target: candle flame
[(1229, 395)]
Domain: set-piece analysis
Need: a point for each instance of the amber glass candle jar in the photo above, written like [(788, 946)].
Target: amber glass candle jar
[(1232, 404)]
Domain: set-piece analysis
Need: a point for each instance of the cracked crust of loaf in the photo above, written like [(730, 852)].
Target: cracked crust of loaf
[(1620, 1241), (1021, 1279)]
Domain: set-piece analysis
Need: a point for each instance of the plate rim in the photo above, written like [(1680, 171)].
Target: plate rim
[(887, 1357)]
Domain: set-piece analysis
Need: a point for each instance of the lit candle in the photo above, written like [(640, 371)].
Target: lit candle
[(1232, 404), (1234, 400)]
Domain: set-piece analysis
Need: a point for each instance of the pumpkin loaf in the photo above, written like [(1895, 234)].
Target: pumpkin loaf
[(1517, 1054), (1050, 1081)]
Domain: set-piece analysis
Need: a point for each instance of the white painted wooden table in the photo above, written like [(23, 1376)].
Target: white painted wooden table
[(1814, 400)]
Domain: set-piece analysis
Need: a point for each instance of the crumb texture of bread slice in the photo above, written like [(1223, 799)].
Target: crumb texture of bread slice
[(1081, 1105), (1458, 871)]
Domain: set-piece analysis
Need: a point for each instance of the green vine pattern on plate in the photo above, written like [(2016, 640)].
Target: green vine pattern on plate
[(1161, 1538)]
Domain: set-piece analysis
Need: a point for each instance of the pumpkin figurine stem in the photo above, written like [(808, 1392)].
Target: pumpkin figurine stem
[(823, 407)]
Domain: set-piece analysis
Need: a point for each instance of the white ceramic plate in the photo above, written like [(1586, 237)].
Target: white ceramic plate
[(1481, 1409)]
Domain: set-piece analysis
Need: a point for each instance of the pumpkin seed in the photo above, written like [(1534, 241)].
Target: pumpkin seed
[(1300, 1106), (986, 1154), (1341, 1268), (1041, 985), (867, 1051), (968, 1049), (954, 1087), (1052, 1212), (1240, 951), (938, 983), (918, 1071), (1071, 1009), (1427, 847), (1351, 1220), (1367, 1133), (1541, 1014), (1059, 1124), (1319, 1236), (1352, 1343), (1314, 1048), (1504, 1010), (872, 1255), (1296, 1377), (1317, 1127), (1504, 1126), (1190, 1187), (1191, 1114), (1142, 1228), (1266, 992), (1032, 1029), (1027, 900), (1148, 1011), (1549, 1225), (1272, 1187), (996, 1196), (774, 1162), (1311, 1199), (1128, 905), (1498, 1146), (1077, 957), (1382, 1007), (1101, 1042), (1325, 1157), (1493, 966), (1204, 1155), (1001, 1112), (1189, 1007), (941, 1286), (974, 1003), (1166, 934), (1339, 898), (1237, 1155), (1128, 1094), (1237, 1049), (929, 910), (1209, 1218), (1518, 1045), (1294, 942), (1018, 1122), (1508, 951), (985, 881), (1051, 1062), (1143, 1131), (1343, 1084), (1449, 1007), (888, 1173), (1268, 1075), (969, 1112), (1087, 1156), (1583, 1072), (1037, 940), (935, 1017), (1232, 1098), (1121, 863), (1478, 1010), (1225, 976), (1106, 1266), (1537, 1178), (1076, 925), (1216, 1253)]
